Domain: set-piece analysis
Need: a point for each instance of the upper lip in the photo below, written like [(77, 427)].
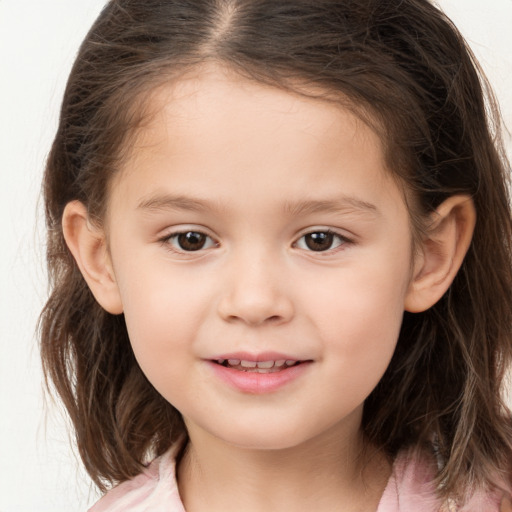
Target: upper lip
[(257, 357)]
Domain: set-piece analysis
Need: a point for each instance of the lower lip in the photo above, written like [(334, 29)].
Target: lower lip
[(258, 383)]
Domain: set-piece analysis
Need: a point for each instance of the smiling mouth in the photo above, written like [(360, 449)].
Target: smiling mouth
[(258, 366)]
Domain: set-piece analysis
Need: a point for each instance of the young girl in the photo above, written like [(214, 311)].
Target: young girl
[(279, 247)]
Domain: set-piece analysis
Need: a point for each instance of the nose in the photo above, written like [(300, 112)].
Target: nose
[(256, 292)]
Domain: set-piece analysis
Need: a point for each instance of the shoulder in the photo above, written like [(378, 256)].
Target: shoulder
[(153, 490), (412, 487), (489, 501)]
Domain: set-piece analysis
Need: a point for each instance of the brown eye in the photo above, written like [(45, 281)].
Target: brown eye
[(190, 241), (320, 241)]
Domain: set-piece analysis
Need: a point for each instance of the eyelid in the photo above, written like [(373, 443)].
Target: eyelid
[(345, 240), (173, 233)]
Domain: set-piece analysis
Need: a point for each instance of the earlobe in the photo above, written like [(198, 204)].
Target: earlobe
[(87, 244), (442, 252)]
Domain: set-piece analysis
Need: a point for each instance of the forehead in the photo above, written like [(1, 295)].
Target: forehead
[(214, 130), (215, 96)]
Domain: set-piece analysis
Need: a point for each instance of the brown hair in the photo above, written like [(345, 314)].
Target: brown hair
[(400, 61)]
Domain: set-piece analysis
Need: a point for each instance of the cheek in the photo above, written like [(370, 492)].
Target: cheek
[(162, 312), (359, 351), (363, 336), (360, 321), (368, 300)]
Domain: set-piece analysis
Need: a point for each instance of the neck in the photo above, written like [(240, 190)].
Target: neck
[(324, 474)]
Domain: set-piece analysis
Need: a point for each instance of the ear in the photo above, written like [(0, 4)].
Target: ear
[(87, 244), (442, 252)]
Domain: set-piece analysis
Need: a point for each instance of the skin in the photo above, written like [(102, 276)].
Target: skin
[(256, 169)]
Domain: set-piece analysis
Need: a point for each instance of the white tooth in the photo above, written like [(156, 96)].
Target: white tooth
[(234, 362), (220, 361), (290, 362), (265, 364), (248, 364), (262, 370), (280, 362)]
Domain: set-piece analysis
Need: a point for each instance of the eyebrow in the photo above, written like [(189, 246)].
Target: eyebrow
[(342, 204), (178, 202)]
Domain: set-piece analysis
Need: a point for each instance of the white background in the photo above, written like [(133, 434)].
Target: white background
[(38, 41)]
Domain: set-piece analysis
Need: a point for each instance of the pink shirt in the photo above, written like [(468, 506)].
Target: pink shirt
[(409, 489)]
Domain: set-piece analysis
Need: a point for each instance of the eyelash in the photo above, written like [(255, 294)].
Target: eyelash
[(343, 240), (171, 242), (168, 241)]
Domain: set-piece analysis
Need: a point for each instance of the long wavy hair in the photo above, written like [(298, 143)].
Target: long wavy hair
[(404, 68)]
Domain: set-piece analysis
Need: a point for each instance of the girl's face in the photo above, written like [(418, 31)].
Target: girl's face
[(253, 225)]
